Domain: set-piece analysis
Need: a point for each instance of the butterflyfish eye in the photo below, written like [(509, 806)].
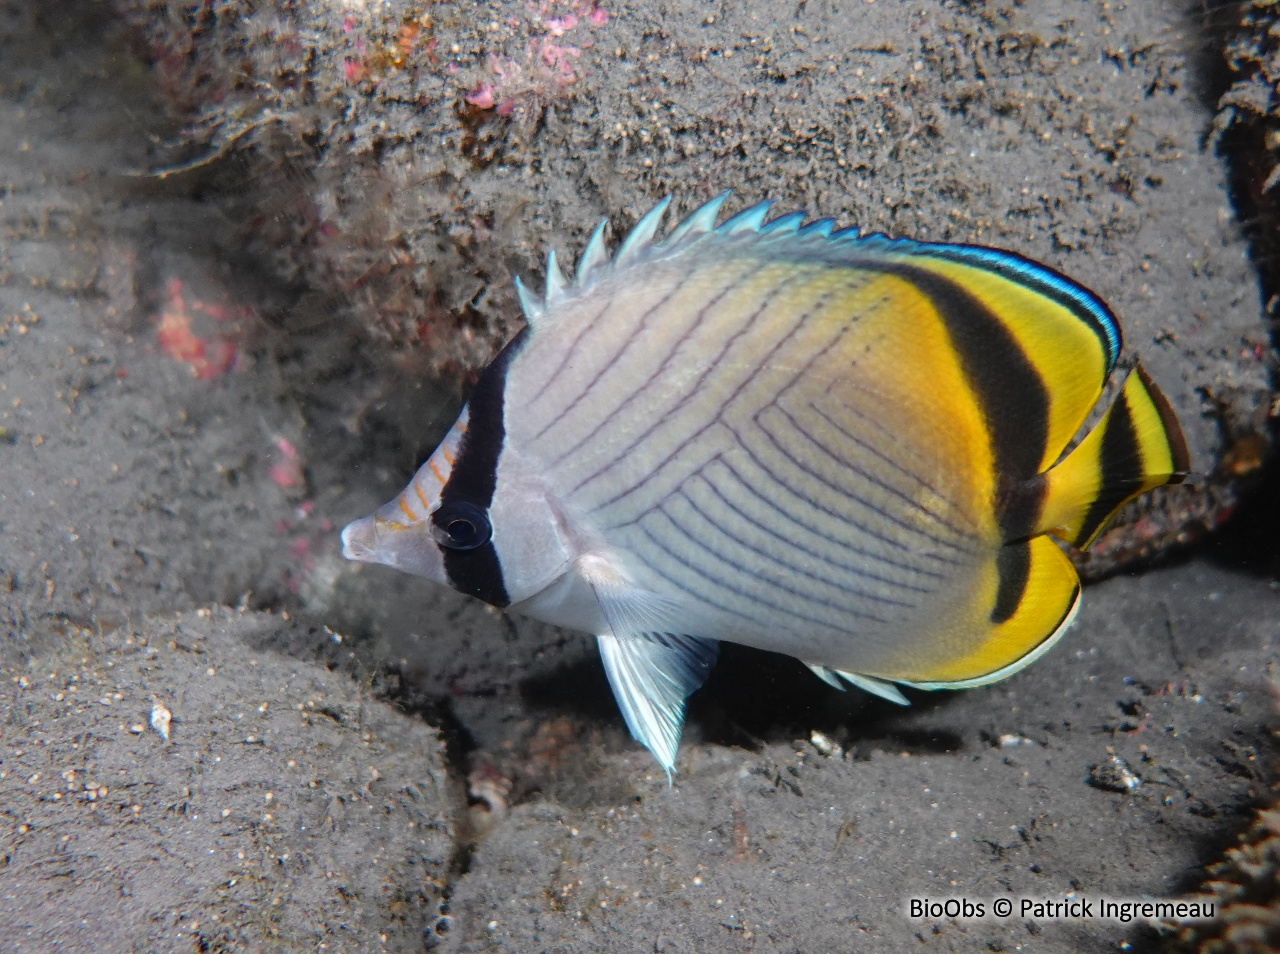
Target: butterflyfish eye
[(459, 525)]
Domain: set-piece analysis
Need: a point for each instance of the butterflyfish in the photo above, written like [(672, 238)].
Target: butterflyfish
[(848, 448)]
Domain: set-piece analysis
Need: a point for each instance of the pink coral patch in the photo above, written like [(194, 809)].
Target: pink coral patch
[(208, 355), (482, 96), (286, 472), (559, 26)]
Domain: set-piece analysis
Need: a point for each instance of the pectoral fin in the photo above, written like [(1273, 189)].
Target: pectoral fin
[(652, 674), (627, 608), (652, 669)]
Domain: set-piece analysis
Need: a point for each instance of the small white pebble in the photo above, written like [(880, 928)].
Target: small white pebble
[(825, 745), (1010, 739), (160, 719)]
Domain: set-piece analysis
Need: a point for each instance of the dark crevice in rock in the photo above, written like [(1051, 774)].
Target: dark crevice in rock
[(1247, 126)]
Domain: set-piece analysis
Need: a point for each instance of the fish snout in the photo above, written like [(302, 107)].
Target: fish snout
[(360, 540)]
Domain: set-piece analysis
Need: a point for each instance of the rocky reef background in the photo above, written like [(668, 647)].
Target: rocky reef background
[(402, 161)]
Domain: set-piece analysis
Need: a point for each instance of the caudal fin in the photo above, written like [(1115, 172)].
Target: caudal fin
[(1138, 445)]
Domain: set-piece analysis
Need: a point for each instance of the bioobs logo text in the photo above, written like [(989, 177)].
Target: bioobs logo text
[(1067, 908), (946, 908)]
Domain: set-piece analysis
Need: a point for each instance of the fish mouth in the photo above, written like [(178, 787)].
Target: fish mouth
[(360, 540)]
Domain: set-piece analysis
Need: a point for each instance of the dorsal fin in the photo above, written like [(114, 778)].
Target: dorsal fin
[(820, 227), (1048, 318), (533, 309), (595, 261), (784, 223)]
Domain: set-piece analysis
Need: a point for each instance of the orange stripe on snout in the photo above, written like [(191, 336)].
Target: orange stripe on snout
[(404, 505), (421, 496), (436, 471)]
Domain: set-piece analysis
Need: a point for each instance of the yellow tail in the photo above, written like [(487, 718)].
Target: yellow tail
[(1137, 446)]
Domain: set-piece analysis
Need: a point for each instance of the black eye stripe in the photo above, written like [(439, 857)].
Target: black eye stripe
[(473, 479)]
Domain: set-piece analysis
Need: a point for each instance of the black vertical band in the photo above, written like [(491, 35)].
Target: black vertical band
[(1120, 460), (1013, 569), (1091, 310), (1010, 394), (474, 478), (1014, 403)]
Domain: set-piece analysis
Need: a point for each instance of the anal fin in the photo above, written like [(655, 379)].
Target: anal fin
[(827, 675), (877, 687), (652, 674), (1036, 601)]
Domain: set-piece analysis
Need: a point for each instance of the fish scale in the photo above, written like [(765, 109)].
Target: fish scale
[(841, 447)]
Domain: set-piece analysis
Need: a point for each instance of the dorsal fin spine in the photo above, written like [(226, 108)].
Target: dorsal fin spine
[(748, 220), (700, 220), (641, 236), (529, 304), (783, 224), (821, 227), (555, 280), (594, 257)]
